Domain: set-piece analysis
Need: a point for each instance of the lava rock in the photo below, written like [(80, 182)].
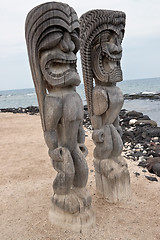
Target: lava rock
[(146, 122), (31, 110), (152, 178), (134, 114), (153, 165)]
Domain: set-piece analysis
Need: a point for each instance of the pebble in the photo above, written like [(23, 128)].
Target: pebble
[(152, 178), (137, 174), (141, 158), (132, 121), (155, 139)]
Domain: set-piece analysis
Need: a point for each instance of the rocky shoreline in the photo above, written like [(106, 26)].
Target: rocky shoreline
[(150, 96), (32, 110), (141, 136)]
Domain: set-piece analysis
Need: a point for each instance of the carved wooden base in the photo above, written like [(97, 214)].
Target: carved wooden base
[(112, 179), (72, 211)]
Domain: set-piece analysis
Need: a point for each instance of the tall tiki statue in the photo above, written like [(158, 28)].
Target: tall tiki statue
[(52, 36), (101, 36)]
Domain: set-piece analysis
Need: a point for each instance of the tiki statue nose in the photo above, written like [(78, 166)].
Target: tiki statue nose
[(66, 44)]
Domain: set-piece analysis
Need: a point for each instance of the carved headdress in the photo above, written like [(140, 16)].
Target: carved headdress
[(40, 23), (93, 23)]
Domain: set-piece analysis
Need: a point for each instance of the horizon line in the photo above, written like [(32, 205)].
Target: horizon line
[(77, 86)]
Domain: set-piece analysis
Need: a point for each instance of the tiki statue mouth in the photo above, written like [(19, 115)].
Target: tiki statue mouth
[(108, 64), (56, 64), (59, 67)]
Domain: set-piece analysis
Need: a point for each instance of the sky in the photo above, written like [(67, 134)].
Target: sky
[(141, 44)]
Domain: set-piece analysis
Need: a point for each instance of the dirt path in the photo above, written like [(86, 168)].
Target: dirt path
[(26, 189)]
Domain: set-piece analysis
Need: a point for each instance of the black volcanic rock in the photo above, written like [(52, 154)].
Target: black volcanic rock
[(151, 96), (134, 114), (153, 165), (153, 179), (31, 110)]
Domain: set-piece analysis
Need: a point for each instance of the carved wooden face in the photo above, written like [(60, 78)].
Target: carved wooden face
[(108, 51), (111, 49), (57, 55)]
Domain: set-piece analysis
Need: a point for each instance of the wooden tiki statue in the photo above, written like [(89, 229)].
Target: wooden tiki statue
[(101, 36), (52, 37)]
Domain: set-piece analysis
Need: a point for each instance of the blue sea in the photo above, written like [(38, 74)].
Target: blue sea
[(27, 97)]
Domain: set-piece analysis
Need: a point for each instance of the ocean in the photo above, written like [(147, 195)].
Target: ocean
[(27, 97)]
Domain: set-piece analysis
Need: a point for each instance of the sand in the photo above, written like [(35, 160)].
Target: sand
[(26, 189)]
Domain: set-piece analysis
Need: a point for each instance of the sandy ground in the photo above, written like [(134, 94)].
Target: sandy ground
[(26, 189)]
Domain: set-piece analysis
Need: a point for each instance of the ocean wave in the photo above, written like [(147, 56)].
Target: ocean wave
[(31, 94), (144, 93), (149, 93)]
